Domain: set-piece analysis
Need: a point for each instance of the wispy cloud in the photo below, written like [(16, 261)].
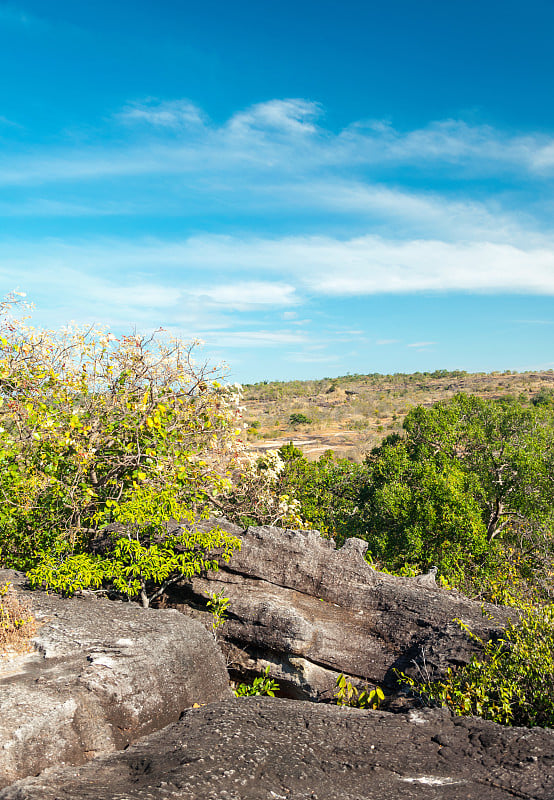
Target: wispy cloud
[(248, 295), (252, 338), (270, 213), (293, 266), (449, 141), (278, 137), (295, 117), (173, 114)]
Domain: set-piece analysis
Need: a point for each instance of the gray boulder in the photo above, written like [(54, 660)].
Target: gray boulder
[(311, 612), (99, 675), (270, 749)]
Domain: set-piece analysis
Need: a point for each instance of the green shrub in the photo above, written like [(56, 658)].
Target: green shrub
[(299, 419), (544, 397), (92, 424), (217, 605), (511, 683), (325, 490), (143, 561), (96, 430)]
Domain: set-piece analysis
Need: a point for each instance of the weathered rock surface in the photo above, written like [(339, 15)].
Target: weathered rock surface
[(270, 749), (311, 612), (101, 674)]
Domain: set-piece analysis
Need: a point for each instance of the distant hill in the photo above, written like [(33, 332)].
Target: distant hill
[(350, 414)]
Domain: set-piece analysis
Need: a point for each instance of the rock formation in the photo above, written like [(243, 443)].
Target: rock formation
[(271, 749), (100, 675), (311, 612), (103, 673)]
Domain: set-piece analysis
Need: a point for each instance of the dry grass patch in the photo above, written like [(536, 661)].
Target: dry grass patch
[(17, 623)]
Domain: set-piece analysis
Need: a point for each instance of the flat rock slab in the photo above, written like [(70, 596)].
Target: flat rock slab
[(99, 675), (271, 749)]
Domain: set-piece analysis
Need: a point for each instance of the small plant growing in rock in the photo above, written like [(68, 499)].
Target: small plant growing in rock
[(348, 695), (261, 686), (217, 605), (17, 623)]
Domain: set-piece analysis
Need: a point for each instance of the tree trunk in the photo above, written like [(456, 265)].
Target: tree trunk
[(494, 519)]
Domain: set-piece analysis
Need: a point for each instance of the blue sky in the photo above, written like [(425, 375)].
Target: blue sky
[(309, 188)]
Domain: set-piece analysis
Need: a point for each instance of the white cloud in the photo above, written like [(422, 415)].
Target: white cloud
[(372, 265), (421, 345), (248, 294), (318, 265), (291, 117), (381, 342), (279, 138), (424, 212), (169, 114), (252, 338), (475, 147)]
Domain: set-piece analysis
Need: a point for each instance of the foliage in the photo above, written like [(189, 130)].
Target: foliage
[(259, 496), (467, 488), (299, 419), (263, 685), (504, 445), (348, 695), (100, 430), (512, 683), (141, 561), (89, 421), (469, 481), (419, 514), (544, 397), (324, 489), (17, 623), (217, 605)]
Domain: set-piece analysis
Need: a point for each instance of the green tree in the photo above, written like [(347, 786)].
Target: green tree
[(325, 490), (418, 513), (469, 482), (504, 446)]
